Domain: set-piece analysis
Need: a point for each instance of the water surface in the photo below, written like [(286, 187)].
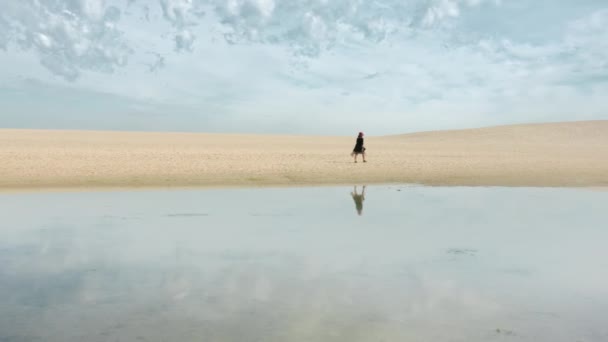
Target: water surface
[(399, 263)]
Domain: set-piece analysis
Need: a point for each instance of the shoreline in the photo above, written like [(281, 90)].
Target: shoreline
[(67, 190), (569, 154)]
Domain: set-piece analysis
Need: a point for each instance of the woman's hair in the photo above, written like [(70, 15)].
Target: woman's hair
[(360, 134)]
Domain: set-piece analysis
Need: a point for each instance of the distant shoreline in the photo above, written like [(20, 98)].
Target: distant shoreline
[(569, 154)]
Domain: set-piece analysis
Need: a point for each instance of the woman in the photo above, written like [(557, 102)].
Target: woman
[(359, 148)]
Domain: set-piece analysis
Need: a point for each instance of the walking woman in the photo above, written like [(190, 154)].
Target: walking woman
[(359, 148)]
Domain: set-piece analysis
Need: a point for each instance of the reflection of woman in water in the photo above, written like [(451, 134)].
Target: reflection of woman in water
[(358, 198), (359, 148)]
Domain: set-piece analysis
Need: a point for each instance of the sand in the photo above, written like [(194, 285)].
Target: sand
[(572, 154)]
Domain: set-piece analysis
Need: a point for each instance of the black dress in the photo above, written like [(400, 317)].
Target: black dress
[(359, 146)]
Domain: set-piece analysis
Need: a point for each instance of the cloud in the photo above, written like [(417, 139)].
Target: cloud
[(158, 64), (444, 9), (69, 36), (78, 35), (182, 14), (4, 33), (313, 26), (415, 64), (587, 39), (184, 41), (176, 11), (441, 10)]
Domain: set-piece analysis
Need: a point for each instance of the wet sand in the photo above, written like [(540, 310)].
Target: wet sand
[(554, 154)]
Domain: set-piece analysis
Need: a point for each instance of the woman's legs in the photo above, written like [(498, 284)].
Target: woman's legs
[(355, 154)]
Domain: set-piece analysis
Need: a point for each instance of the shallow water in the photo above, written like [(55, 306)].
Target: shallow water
[(418, 264)]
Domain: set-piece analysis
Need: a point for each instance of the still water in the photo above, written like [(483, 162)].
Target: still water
[(393, 263)]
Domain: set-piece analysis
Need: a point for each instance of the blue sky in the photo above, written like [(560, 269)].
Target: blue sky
[(301, 66)]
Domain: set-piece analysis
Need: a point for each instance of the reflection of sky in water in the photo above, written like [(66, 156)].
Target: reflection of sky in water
[(422, 264)]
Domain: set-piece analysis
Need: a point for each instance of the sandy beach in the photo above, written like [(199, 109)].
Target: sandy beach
[(573, 154)]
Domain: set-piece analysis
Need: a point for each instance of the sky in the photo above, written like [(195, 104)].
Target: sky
[(301, 66)]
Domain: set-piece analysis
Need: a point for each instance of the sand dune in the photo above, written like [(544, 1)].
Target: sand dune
[(555, 154)]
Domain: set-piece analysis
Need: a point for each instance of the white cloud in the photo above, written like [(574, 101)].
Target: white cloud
[(158, 64), (587, 38), (93, 9), (313, 26), (177, 11), (184, 40), (87, 34), (443, 9), (69, 36), (266, 7), (414, 64), (44, 41)]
